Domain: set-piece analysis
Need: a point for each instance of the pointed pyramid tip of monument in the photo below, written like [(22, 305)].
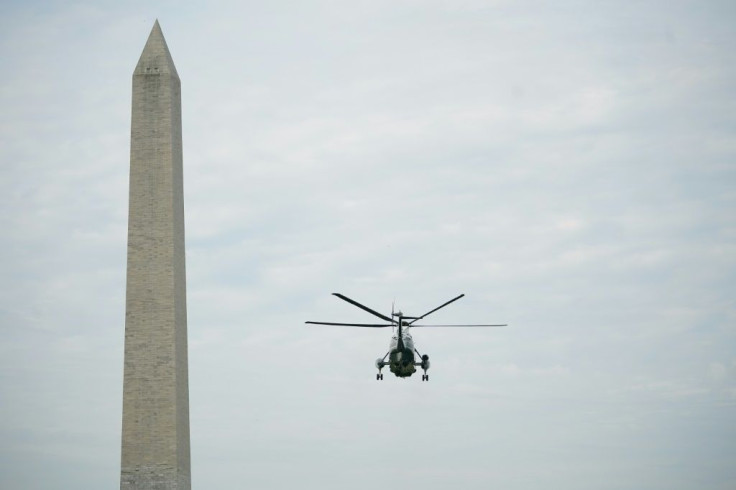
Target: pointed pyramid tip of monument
[(157, 28), (156, 57)]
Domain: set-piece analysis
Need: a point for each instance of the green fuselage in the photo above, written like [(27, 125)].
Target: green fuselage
[(401, 356)]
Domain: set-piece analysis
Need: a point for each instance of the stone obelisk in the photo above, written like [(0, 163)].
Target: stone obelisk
[(155, 438)]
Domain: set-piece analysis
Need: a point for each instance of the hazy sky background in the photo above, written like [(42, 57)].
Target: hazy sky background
[(569, 166)]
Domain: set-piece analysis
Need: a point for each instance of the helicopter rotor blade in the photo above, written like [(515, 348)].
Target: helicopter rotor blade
[(432, 311), (495, 325), (351, 324), (363, 307)]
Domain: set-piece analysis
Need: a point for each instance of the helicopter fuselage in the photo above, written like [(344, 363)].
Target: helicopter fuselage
[(401, 359), (401, 356)]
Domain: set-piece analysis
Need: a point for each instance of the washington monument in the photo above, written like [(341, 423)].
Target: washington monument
[(155, 438)]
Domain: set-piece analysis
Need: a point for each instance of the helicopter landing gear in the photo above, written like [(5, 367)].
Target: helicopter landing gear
[(424, 365), (379, 364)]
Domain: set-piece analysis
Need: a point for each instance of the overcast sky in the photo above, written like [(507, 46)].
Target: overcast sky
[(570, 166)]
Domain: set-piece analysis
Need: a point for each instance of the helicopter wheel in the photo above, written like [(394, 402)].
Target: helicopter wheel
[(379, 376), (425, 377)]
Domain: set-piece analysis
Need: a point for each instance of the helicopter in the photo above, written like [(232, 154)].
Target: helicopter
[(401, 360)]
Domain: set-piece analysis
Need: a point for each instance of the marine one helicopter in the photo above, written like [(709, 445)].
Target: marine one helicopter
[(401, 359)]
